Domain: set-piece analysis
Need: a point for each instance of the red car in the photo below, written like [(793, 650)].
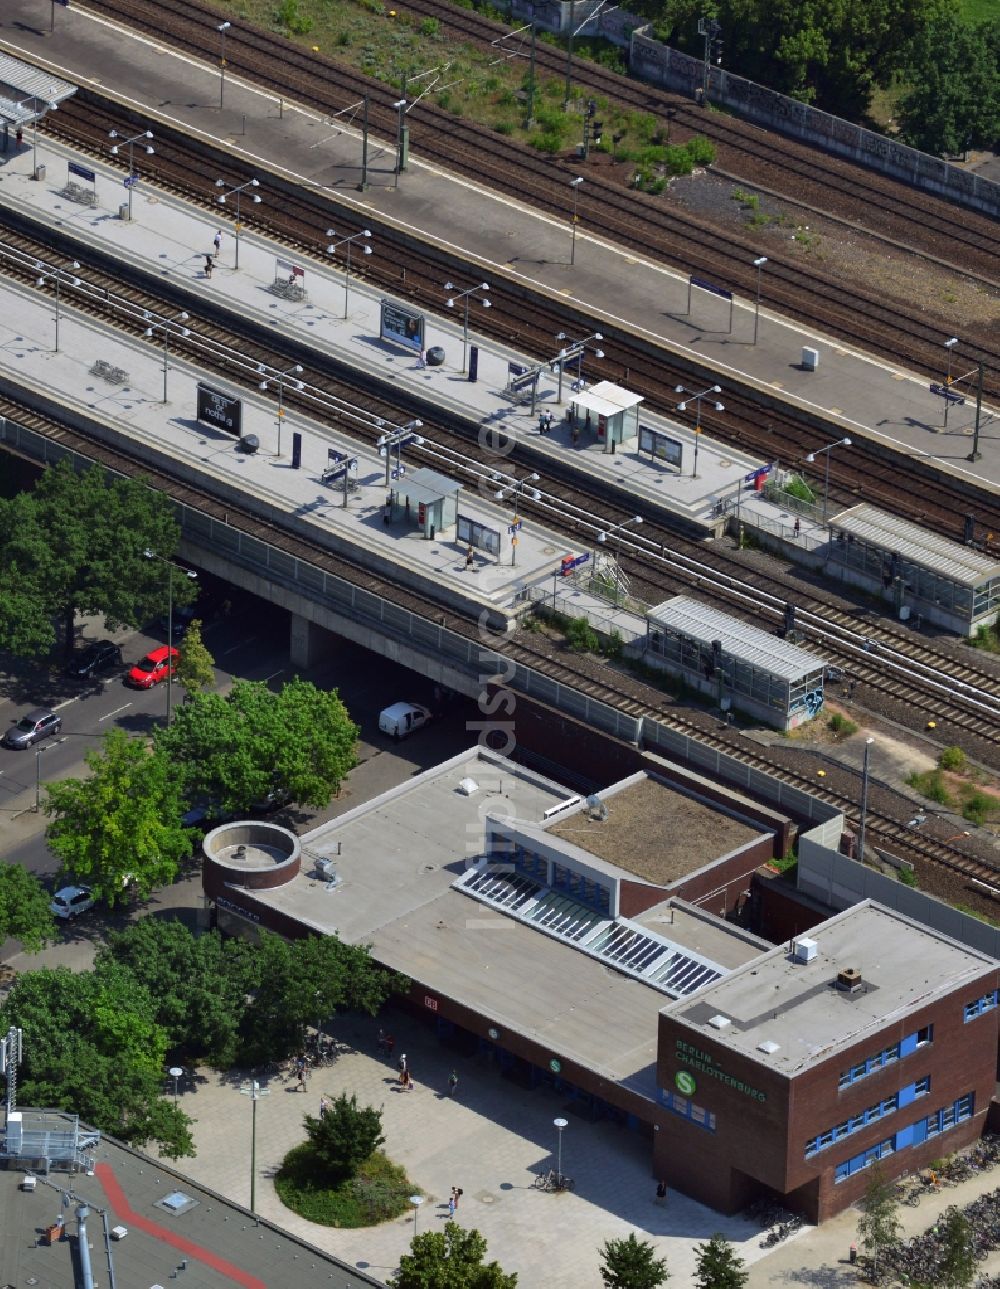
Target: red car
[(153, 668)]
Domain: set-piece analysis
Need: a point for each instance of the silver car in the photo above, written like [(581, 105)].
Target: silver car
[(32, 728)]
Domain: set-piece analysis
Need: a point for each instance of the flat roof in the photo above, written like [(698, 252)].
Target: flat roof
[(654, 831), (223, 1244), (19, 81), (949, 559), (605, 399), (425, 486), (739, 639), (774, 999)]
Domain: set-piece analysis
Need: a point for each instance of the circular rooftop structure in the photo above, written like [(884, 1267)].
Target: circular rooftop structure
[(252, 853)]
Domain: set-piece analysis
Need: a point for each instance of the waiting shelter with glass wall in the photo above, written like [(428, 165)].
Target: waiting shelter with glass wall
[(606, 414), (919, 572), (427, 499), (739, 665)]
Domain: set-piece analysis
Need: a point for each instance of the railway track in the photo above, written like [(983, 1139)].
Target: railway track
[(631, 219), (760, 425), (886, 660), (625, 693)]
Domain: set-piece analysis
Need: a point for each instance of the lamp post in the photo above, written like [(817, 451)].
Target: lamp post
[(280, 377), (222, 28), (840, 443), (575, 185), (165, 325), (575, 348), (52, 107), (236, 190), (466, 295), (394, 441), (758, 265), (710, 29), (975, 454), (560, 1124), (254, 1091), (175, 1073), (416, 1201), (38, 776), (400, 107), (864, 800), (188, 572), (516, 488), (349, 242), (56, 276), (130, 144), (950, 346), (682, 407)]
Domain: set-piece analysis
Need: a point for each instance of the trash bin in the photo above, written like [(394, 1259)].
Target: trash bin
[(249, 444), (434, 356), (810, 359), (123, 211), (40, 173)]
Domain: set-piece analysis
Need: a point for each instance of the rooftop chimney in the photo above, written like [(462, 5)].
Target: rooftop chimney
[(849, 979)]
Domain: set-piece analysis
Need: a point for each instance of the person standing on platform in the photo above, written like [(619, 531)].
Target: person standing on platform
[(218, 243), (208, 266)]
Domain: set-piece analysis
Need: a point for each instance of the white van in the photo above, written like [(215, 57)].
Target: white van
[(402, 719)]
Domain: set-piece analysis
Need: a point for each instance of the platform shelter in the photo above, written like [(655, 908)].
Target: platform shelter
[(739, 665), (26, 94), (606, 413), (919, 572), (427, 500)]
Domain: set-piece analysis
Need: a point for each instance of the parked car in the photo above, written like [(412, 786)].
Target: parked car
[(272, 801), (149, 671), (70, 901), (32, 728), (102, 655), (402, 719), (183, 616)]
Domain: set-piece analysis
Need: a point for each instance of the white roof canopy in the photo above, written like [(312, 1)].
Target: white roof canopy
[(606, 399)]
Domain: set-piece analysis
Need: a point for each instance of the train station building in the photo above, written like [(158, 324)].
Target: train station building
[(583, 944)]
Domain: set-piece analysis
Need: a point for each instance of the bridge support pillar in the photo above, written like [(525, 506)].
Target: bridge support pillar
[(305, 641)]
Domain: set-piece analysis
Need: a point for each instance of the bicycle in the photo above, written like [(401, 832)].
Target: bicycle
[(553, 1181)]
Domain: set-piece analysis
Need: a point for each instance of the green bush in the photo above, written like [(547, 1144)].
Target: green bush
[(907, 876), (931, 785), (840, 726), (614, 645), (952, 758), (798, 488), (544, 142), (379, 1190), (701, 150), (504, 127), (656, 186), (581, 636), (429, 27), (678, 160), (977, 808)]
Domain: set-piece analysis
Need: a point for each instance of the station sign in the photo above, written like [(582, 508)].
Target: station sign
[(947, 394), (515, 527), (130, 181), (569, 562), (704, 285), (221, 410), (402, 326), (81, 172), (760, 473)]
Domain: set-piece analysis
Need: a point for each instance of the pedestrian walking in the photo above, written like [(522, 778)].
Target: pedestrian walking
[(469, 557), (208, 266), (218, 243), (452, 1083), (451, 1206), (402, 1062), (798, 525), (324, 1105), (661, 1192), (548, 422), (19, 136), (456, 1194), (301, 1087)]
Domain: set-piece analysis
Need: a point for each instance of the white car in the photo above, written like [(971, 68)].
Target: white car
[(403, 718), (70, 901)]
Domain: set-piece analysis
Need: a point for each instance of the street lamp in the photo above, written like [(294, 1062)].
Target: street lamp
[(236, 190), (950, 346), (758, 265), (864, 801), (516, 488), (575, 349), (52, 107), (416, 1201), (395, 440), (254, 1091), (841, 443), (175, 1073), (165, 326), (560, 1124), (188, 572), (280, 376), (348, 242), (222, 28), (575, 185), (465, 295), (56, 276), (130, 143), (682, 407), (38, 775), (400, 107)]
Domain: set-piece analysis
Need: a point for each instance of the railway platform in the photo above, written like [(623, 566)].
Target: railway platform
[(864, 395)]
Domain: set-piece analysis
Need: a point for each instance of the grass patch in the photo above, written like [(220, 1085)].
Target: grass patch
[(931, 784), (379, 1191), (907, 876), (987, 639), (840, 726), (952, 758), (974, 913)]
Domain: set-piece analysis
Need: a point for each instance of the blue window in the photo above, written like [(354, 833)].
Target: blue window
[(856, 1122), (980, 1006), (688, 1110), (865, 1160), (863, 1068), (950, 1115)]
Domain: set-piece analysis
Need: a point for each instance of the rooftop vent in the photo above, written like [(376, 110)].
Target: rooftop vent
[(240, 852), (768, 1047), (720, 1022), (468, 786), (804, 949), (849, 979), (598, 810)]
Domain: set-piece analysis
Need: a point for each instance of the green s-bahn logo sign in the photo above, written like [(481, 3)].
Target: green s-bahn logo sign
[(685, 1083)]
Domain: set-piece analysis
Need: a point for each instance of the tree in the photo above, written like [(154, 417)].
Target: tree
[(632, 1264), (954, 96), (122, 826), (196, 669), (236, 749), (77, 543), (199, 984), (878, 1225), (958, 1267), (345, 1136), (92, 1047), (24, 908), (719, 1265), (450, 1259), (301, 983)]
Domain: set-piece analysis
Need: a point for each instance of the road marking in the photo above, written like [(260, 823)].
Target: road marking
[(240, 644), (59, 706), (273, 674), (114, 713)]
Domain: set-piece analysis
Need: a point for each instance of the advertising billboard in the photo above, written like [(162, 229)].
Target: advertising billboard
[(402, 326), (221, 410)]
